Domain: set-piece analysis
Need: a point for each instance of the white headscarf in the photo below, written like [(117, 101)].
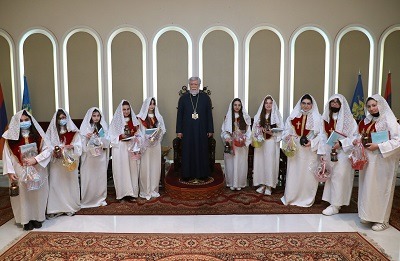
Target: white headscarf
[(52, 132), (144, 111), (345, 121), (86, 126), (386, 120), (313, 117), (276, 117), (13, 128), (117, 124), (227, 125)]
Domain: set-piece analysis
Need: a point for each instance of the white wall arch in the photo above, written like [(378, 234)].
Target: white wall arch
[(236, 54), (13, 68), (124, 28), (292, 44), (381, 52), (52, 38), (339, 37), (97, 38), (154, 53), (247, 63)]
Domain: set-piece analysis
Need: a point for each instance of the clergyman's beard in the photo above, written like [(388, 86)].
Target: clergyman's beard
[(194, 92)]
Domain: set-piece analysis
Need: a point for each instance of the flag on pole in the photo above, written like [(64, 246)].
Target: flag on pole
[(3, 113), (388, 91), (26, 100), (357, 103)]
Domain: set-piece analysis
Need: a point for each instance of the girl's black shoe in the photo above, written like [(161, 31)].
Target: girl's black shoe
[(36, 224), (28, 226)]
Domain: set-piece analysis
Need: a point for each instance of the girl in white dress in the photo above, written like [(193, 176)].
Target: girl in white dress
[(94, 159), (64, 196), (266, 157), (124, 131), (150, 162), (29, 207), (378, 178), (337, 117), (303, 125), (236, 132)]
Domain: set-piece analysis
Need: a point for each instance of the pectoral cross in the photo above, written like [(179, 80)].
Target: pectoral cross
[(195, 116), (298, 125)]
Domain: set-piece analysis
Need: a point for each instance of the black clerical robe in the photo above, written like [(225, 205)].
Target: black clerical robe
[(195, 158)]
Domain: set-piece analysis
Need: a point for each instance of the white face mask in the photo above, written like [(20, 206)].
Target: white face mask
[(24, 125), (63, 122)]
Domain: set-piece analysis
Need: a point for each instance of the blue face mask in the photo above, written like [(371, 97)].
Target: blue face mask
[(63, 122), (25, 125)]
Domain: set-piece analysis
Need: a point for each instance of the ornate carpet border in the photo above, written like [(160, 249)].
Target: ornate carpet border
[(122, 246)]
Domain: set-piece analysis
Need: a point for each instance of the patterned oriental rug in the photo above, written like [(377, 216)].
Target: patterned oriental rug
[(211, 247)]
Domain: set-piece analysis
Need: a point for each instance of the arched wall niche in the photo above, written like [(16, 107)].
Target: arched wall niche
[(314, 44), (309, 66), (38, 75), (82, 71), (130, 38), (39, 72), (354, 51), (218, 60), (172, 73), (390, 62), (154, 90), (7, 72), (264, 55), (127, 70)]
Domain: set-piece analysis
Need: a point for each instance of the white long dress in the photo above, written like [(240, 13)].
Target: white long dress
[(301, 185), (378, 179), (266, 163), (125, 171), (236, 166), (266, 157), (94, 175), (94, 167), (337, 189), (30, 204), (125, 168), (64, 194), (150, 172), (150, 162)]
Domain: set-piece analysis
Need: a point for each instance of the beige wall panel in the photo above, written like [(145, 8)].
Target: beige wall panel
[(264, 68), (172, 69), (309, 67), (39, 72), (391, 62), (82, 74), (353, 57), (127, 70), (218, 63), (5, 75)]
